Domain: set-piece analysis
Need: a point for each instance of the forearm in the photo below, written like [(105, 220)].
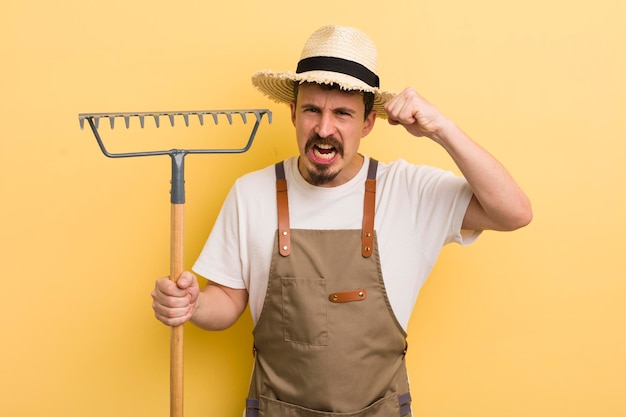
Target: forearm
[(504, 203), (499, 203), (219, 307)]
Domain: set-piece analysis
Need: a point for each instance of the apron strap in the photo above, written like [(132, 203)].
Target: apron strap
[(284, 240), (369, 204)]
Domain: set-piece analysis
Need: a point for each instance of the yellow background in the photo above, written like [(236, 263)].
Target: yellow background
[(529, 323)]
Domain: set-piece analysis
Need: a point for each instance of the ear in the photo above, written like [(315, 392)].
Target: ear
[(292, 106), (368, 125)]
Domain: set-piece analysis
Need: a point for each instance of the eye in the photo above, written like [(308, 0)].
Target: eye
[(343, 113)]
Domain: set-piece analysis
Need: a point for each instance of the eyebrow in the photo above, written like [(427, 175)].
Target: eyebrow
[(335, 110), (345, 110)]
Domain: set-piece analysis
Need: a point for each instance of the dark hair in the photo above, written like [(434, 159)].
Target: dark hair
[(368, 98)]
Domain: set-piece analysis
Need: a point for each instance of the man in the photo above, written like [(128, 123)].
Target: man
[(331, 247)]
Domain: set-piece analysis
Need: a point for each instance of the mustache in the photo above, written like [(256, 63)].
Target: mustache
[(316, 139)]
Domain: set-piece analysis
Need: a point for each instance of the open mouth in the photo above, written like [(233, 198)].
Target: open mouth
[(323, 152)]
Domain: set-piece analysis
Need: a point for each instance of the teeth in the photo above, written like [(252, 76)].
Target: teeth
[(324, 146), (325, 155)]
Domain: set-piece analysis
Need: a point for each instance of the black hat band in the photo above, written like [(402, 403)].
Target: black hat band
[(340, 65)]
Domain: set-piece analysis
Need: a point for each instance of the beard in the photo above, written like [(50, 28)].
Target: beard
[(322, 174)]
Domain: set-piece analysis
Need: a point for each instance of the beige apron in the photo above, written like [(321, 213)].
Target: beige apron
[(327, 342)]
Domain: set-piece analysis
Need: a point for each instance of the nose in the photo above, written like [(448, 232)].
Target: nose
[(326, 125)]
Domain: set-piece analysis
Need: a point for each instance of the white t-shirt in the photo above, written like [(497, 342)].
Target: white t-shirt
[(418, 210)]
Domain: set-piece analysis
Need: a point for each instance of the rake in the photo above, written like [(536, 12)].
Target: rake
[(177, 201)]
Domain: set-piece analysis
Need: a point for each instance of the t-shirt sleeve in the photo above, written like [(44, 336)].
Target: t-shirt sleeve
[(443, 199), (220, 260), (462, 201)]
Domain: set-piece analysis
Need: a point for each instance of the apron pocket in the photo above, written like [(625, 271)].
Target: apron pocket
[(385, 407), (304, 311)]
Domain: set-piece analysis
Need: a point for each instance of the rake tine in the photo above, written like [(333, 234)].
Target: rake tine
[(141, 120), (186, 117), (230, 118), (112, 121), (269, 116), (127, 121), (96, 121), (156, 120), (201, 118), (81, 120), (243, 117), (214, 117), (171, 116)]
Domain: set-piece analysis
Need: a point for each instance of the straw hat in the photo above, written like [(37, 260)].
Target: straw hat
[(332, 55)]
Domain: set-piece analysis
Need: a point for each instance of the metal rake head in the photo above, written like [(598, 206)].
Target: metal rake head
[(177, 155), (93, 119)]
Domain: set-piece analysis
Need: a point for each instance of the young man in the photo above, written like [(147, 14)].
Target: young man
[(331, 247)]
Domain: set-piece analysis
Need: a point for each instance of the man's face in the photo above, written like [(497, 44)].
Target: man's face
[(329, 127)]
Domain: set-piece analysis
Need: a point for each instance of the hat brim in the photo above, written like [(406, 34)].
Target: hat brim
[(278, 86)]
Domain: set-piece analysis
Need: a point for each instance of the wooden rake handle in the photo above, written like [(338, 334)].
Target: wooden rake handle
[(177, 333), (177, 223)]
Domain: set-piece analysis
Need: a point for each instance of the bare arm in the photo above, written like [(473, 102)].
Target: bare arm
[(219, 307), (498, 203), (215, 307)]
